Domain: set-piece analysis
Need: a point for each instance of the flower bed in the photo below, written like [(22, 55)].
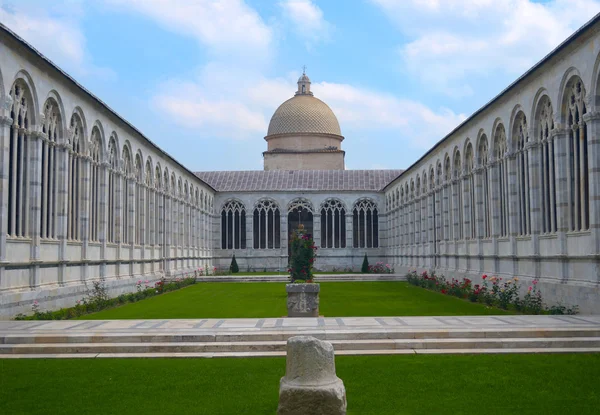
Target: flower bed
[(97, 299), (493, 291)]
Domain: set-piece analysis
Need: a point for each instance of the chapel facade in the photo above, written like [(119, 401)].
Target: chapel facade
[(512, 191)]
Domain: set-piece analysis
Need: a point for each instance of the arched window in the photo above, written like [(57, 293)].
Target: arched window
[(502, 183), (180, 209), (485, 189), (139, 213), (365, 221), (159, 217), (174, 210), (520, 138), (149, 204), (458, 194), (113, 177), (76, 156), (233, 225), (440, 215), (18, 171), (448, 228), (545, 125), (578, 157), (94, 206), (266, 225), (127, 195), (333, 224), (186, 215), (52, 129), (470, 194)]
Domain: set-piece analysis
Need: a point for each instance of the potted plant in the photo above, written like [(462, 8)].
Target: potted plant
[(302, 293)]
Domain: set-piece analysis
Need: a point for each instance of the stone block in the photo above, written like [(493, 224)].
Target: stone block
[(302, 300), (310, 385)]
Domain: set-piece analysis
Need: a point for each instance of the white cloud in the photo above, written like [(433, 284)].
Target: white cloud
[(307, 20), (221, 103), (223, 26), (57, 37), (476, 37)]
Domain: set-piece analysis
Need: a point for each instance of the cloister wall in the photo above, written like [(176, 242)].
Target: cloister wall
[(515, 189), (84, 195)]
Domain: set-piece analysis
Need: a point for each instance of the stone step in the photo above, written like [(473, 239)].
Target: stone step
[(280, 346), (281, 354), (276, 335)]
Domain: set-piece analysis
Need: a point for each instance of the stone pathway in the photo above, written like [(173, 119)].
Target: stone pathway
[(267, 336)]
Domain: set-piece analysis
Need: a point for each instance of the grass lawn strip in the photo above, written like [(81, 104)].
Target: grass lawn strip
[(409, 384), (259, 300)]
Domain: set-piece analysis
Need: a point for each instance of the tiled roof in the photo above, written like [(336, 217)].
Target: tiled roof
[(304, 114), (281, 180)]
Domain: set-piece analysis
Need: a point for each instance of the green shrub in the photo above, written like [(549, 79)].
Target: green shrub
[(233, 268), (302, 258), (365, 265)]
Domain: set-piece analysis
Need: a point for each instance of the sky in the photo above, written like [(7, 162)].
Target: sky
[(202, 78)]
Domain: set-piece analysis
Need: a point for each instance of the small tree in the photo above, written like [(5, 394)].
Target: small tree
[(233, 268), (302, 258), (365, 265)]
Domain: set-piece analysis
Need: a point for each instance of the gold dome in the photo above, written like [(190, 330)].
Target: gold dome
[(304, 113)]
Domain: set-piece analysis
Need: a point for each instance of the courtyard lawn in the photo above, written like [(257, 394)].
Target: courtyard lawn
[(337, 299), (401, 384)]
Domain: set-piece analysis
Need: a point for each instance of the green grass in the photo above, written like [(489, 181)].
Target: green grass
[(409, 384), (337, 299)]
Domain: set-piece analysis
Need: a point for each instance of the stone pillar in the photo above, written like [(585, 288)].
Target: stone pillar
[(479, 213), (533, 149), (5, 123), (310, 385), (85, 215), (119, 214), (561, 168), (35, 195), (317, 229), (592, 120), (103, 175)]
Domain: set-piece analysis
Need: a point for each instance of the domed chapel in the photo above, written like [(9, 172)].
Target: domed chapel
[(512, 191)]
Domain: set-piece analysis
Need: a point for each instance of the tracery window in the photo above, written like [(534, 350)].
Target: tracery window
[(76, 157), (159, 217), (233, 225), (365, 221), (113, 177), (578, 158), (448, 228), (439, 192), (520, 137), (469, 164), (149, 204), (52, 130), (458, 193), (333, 224), (94, 206), (502, 183), (548, 174), (266, 225), (18, 170), (485, 183), (127, 195), (138, 189)]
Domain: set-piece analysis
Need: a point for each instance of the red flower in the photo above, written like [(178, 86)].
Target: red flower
[(444, 291), (484, 276)]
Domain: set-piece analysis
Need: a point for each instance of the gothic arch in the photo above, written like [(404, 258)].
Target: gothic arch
[(24, 79), (570, 76), (54, 96), (300, 202)]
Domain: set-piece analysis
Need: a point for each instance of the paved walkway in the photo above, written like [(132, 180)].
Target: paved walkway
[(327, 324)]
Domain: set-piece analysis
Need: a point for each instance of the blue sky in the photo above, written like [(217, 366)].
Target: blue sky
[(202, 78)]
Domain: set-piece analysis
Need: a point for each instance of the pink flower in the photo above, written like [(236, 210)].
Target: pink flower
[(535, 282), (530, 288)]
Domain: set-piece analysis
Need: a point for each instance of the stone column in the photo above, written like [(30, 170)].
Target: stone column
[(533, 150), (119, 215), (317, 229), (5, 123), (85, 215), (35, 194), (103, 174), (561, 168), (479, 213), (166, 251), (592, 120)]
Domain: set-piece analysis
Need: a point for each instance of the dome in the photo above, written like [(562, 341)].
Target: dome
[(304, 113)]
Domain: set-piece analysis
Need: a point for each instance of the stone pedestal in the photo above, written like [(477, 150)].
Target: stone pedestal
[(310, 385), (303, 300)]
